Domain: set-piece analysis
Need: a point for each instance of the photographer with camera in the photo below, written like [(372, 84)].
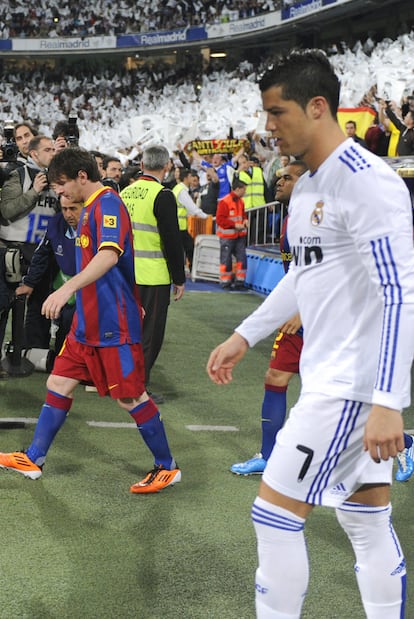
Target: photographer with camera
[(66, 133), (27, 205)]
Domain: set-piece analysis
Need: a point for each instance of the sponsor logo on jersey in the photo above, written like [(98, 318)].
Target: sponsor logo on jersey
[(308, 252), (317, 213), (339, 489), (110, 221)]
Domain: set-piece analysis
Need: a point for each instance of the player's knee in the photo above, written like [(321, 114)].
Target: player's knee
[(277, 378), (360, 522)]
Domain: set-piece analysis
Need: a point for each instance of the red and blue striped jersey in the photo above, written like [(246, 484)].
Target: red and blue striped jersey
[(108, 311)]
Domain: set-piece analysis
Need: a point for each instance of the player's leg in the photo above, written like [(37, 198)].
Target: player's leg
[(126, 377), (380, 565), (151, 427), (281, 583), (313, 468), (284, 363), (273, 407), (273, 418), (52, 416)]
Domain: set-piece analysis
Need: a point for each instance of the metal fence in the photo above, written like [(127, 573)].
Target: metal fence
[(265, 224)]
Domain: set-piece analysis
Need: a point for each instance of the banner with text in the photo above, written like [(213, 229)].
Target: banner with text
[(66, 44)]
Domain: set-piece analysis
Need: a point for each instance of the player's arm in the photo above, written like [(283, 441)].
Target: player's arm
[(101, 263), (279, 307), (382, 233), (275, 310)]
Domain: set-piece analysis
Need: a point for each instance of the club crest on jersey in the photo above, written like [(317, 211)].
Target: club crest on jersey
[(85, 219), (317, 213), (84, 241), (109, 221)]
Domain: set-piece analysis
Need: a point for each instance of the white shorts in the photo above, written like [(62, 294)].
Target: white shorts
[(318, 457)]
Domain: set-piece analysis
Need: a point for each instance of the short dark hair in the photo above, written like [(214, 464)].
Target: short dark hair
[(302, 75), (107, 159), (97, 153), (25, 124), (70, 161), (64, 129), (351, 122), (35, 141), (298, 163), (237, 183), (183, 173)]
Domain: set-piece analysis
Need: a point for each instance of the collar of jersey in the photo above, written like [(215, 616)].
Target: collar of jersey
[(95, 195)]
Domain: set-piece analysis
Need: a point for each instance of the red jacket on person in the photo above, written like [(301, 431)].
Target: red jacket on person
[(230, 211)]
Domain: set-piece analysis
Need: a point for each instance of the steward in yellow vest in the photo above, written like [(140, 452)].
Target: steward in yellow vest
[(158, 251), (252, 175)]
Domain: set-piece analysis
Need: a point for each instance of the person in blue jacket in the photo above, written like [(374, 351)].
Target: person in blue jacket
[(56, 247)]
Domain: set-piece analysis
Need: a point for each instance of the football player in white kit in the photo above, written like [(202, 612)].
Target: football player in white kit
[(351, 280)]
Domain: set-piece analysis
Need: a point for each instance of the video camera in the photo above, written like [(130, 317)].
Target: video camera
[(9, 147), (72, 136)]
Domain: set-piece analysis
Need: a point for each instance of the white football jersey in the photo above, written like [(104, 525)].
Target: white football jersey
[(351, 278)]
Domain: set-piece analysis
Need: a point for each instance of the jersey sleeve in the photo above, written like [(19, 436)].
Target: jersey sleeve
[(275, 310), (384, 242), (112, 222)]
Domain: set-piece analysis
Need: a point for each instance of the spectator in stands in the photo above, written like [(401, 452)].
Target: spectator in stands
[(209, 193), (350, 130), (377, 136), (405, 127), (223, 167)]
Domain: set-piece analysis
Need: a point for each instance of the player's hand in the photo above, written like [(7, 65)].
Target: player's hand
[(52, 307), (291, 326), (178, 291), (383, 436), (223, 359)]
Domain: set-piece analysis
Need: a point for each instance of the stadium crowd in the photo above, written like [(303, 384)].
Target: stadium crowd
[(57, 19), (176, 104)]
